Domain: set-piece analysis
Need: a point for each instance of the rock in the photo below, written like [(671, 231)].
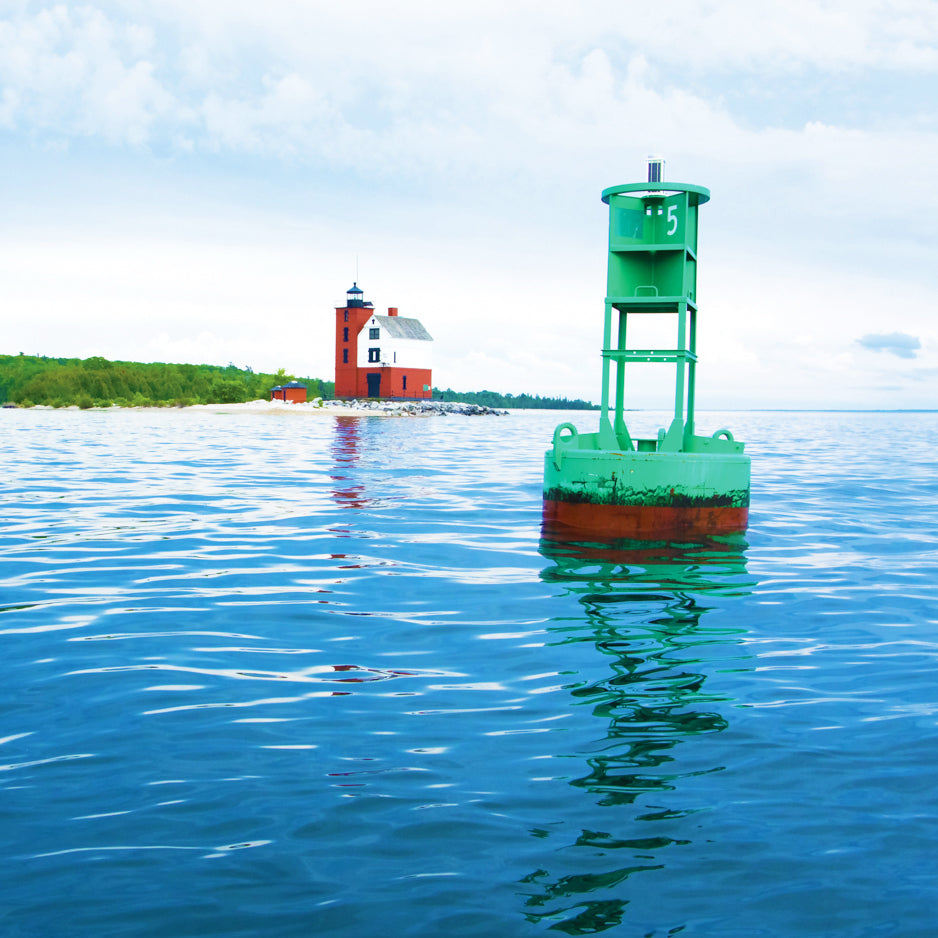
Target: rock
[(424, 408)]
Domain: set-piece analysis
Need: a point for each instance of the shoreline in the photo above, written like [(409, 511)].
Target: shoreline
[(351, 408)]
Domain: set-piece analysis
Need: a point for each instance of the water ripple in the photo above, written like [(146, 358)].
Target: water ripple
[(282, 677)]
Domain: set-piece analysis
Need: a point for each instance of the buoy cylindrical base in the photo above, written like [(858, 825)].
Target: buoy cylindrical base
[(664, 522)]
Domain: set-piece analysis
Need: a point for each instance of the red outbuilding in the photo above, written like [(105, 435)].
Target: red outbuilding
[(294, 393)]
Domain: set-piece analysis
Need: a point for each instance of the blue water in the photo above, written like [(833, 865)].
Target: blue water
[(283, 675)]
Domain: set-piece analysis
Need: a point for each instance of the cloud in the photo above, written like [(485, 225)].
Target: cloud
[(469, 144), (78, 74), (502, 103), (897, 343), (423, 88)]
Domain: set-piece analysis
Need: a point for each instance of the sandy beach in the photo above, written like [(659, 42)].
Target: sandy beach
[(318, 407)]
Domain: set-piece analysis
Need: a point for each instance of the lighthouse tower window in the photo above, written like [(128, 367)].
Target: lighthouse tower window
[(374, 354), (345, 334), (345, 356)]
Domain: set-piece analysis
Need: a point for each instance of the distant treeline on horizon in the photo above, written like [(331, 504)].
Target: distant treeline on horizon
[(525, 401), (28, 380)]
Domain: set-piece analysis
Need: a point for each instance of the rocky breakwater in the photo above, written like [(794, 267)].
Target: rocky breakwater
[(423, 408)]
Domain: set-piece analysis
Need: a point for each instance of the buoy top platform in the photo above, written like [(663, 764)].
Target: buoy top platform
[(679, 484), (698, 194)]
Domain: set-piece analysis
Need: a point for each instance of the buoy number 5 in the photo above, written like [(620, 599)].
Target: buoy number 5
[(672, 219)]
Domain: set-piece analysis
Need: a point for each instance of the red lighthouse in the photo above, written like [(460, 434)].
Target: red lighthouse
[(349, 320), (380, 356)]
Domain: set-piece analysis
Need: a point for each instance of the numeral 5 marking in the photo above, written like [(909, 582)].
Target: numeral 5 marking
[(672, 219)]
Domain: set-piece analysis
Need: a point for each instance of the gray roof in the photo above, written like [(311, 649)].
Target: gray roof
[(400, 327)]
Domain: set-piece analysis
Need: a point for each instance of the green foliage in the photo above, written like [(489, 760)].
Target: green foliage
[(525, 401), (96, 382), (227, 391), (28, 380)]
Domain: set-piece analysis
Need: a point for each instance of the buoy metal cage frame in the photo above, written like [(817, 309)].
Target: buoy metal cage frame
[(652, 269)]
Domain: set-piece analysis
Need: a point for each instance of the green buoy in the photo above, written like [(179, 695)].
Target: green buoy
[(678, 485)]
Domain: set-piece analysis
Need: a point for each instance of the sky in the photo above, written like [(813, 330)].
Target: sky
[(202, 180)]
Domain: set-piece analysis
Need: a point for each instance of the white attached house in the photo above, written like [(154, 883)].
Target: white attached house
[(395, 355)]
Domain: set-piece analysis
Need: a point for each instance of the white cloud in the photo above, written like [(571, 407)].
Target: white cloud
[(77, 73), (425, 80), (461, 150)]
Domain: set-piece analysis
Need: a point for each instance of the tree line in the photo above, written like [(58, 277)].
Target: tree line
[(28, 380), (526, 401)]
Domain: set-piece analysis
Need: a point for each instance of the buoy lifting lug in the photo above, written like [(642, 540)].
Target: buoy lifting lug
[(562, 442)]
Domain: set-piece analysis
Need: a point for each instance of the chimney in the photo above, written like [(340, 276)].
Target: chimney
[(392, 310)]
